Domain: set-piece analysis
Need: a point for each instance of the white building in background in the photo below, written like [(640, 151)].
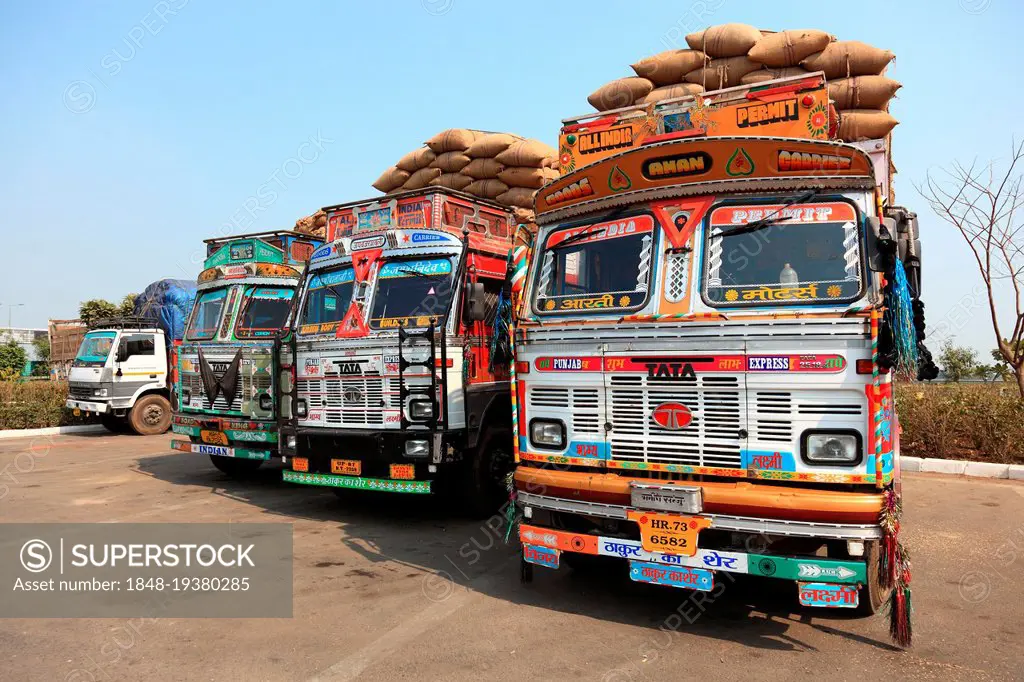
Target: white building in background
[(24, 338)]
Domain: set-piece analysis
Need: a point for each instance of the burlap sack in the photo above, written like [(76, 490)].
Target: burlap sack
[(724, 40), (722, 73), (320, 219), (847, 58), (762, 75), (517, 196), (391, 179), (451, 181), (554, 163), (452, 140), (490, 145), (450, 162), (527, 153), (865, 124), (523, 215), (671, 92), (488, 189), (416, 159), (787, 48), (483, 169), (669, 68), (862, 92), (530, 178), (422, 178), (620, 93)]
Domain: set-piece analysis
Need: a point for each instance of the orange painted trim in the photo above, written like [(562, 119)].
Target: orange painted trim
[(742, 498)]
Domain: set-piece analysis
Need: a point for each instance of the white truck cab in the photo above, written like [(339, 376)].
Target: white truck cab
[(120, 373)]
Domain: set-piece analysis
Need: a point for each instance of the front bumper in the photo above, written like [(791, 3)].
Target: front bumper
[(221, 450), (88, 406), (245, 439)]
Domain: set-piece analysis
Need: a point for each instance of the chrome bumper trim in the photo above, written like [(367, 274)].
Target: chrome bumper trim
[(742, 524)]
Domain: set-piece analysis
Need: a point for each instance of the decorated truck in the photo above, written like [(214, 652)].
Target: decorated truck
[(229, 360), (394, 385), (706, 337)]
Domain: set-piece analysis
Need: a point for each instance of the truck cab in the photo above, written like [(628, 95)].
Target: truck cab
[(120, 374), (394, 385), (229, 360), (699, 385)]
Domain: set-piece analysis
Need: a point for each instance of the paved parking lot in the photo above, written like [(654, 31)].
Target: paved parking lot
[(393, 587)]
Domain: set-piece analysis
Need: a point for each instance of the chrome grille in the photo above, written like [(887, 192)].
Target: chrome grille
[(194, 383), (712, 439), (772, 416), (350, 400), (584, 403)]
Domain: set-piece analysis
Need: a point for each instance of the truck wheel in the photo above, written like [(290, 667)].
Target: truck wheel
[(237, 468), (114, 423), (483, 490), (151, 416), (872, 595)]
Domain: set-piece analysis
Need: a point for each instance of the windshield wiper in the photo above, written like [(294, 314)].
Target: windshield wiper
[(579, 236), (769, 219)]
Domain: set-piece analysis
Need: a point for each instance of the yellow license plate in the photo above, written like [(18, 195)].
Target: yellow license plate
[(77, 412), (348, 467), (668, 533), (214, 437), (406, 472), (300, 464)]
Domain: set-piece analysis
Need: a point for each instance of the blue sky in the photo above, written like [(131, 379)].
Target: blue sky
[(133, 130)]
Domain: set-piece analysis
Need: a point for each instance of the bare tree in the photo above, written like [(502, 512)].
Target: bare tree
[(982, 202)]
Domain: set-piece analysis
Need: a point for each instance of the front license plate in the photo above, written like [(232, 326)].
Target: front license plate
[(668, 533), (404, 472), (542, 556), (346, 467), (673, 576), (77, 412), (671, 498), (828, 595), (300, 464), (214, 437)]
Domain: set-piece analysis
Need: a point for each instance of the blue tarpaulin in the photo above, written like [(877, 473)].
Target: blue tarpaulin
[(169, 302)]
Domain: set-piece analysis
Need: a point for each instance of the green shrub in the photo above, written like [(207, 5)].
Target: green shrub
[(961, 421), (35, 405)]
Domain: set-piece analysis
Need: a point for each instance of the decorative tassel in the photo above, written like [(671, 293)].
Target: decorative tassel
[(899, 315), (511, 516), (901, 627), (501, 346), (894, 570)]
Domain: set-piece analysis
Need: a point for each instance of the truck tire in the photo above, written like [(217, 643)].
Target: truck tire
[(872, 595), (151, 415), (236, 468), (483, 488), (115, 424)]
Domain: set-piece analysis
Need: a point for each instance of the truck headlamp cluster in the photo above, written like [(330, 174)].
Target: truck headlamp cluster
[(548, 433), (300, 408), (266, 402), (417, 448), (840, 448), (421, 409), (99, 392), (186, 396)]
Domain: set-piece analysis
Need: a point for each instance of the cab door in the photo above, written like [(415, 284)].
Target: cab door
[(138, 362)]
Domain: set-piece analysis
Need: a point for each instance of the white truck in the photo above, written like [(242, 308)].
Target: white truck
[(121, 374)]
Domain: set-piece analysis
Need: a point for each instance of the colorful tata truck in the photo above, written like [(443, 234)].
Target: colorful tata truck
[(394, 385), (228, 370), (705, 345)]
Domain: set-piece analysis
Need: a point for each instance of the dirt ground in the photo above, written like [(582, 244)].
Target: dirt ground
[(395, 587)]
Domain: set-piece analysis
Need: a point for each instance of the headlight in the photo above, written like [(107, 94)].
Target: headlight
[(291, 442), (300, 408), (186, 396), (823, 447), (421, 409), (266, 402), (99, 392), (547, 433), (417, 448)]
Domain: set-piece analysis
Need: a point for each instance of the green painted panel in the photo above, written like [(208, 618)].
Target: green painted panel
[(811, 568), (357, 483)]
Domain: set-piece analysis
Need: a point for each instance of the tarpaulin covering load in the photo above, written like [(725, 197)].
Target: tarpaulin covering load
[(169, 302)]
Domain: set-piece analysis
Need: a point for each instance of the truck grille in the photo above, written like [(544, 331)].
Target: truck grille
[(712, 439), (584, 404), (350, 400), (247, 386), (81, 391)]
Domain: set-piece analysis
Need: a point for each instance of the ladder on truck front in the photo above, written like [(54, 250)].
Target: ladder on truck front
[(431, 364)]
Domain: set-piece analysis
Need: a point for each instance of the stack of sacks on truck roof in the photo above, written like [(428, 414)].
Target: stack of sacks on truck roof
[(730, 55), (501, 167), (314, 225)]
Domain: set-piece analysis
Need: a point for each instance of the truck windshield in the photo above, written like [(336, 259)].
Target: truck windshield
[(264, 311), (328, 295), (596, 267), (411, 292), (206, 315), (95, 348), (809, 253)]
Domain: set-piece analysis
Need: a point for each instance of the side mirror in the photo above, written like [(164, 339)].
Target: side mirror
[(476, 303), (122, 352), (880, 242)]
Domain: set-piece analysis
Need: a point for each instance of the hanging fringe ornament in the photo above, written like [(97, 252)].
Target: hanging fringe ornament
[(511, 516), (501, 345), (894, 570), (899, 315)]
